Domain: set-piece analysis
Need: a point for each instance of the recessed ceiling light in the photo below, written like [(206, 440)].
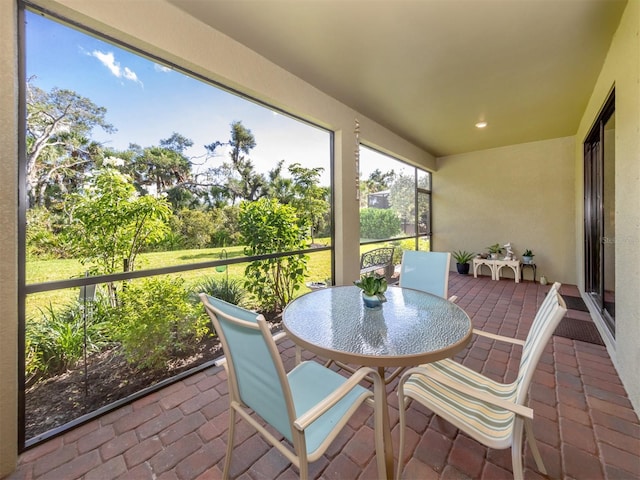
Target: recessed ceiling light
[(481, 124)]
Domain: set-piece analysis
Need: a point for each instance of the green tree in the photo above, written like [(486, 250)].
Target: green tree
[(269, 227), (309, 198), (239, 176), (163, 167), (237, 179), (111, 223), (176, 142), (402, 197), (376, 182), (280, 187), (58, 126), (379, 181)]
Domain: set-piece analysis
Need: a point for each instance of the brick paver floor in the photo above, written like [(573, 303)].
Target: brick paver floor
[(584, 423)]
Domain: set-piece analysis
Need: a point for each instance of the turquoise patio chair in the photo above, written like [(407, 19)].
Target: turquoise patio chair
[(490, 412), (426, 271), (308, 406)]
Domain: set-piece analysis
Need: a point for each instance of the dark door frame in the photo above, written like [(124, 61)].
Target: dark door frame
[(594, 238)]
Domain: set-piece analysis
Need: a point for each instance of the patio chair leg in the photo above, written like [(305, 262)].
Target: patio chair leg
[(298, 355), (528, 428), (379, 390), (304, 469), (230, 436), (402, 405), (516, 451)]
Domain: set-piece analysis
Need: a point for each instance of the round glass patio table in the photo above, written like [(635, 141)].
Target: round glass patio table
[(410, 328)]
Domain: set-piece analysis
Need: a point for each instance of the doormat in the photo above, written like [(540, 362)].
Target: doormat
[(581, 330), (575, 303)]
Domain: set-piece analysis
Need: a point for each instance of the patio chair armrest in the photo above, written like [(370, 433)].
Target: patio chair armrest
[(501, 338), (516, 408), (315, 412), (279, 336)]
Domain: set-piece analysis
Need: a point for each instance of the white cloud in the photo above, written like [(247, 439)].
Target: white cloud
[(161, 68), (109, 61), (130, 75)]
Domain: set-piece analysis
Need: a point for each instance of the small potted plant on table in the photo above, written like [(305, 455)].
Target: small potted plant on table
[(373, 288), (494, 251), (462, 258), (527, 256)]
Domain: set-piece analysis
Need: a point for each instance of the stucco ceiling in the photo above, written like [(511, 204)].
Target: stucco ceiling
[(430, 69)]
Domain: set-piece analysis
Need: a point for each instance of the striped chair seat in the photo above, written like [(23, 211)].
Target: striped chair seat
[(486, 423)]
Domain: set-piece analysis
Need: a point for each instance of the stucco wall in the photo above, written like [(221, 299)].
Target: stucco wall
[(8, 240), (622, 69), (523, 194)]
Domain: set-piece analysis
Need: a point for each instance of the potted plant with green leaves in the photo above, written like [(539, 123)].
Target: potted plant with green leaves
[(373, 288), (462, 258), (494, 251), (527, 256)]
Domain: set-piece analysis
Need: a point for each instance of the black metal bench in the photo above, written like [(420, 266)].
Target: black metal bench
[(378, 259)]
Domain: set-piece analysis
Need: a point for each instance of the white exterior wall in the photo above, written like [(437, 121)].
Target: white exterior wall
[(622, 70), (522, 194), (8, 239)]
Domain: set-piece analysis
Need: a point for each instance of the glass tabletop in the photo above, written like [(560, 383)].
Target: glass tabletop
[(411, 327)]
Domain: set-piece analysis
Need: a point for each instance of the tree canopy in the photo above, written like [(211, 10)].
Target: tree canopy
[(59, 125), (66, 167)]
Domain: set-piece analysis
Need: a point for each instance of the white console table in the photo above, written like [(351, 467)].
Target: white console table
[(495, 266)]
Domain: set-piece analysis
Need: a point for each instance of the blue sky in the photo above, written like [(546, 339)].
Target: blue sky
[(147, 102)]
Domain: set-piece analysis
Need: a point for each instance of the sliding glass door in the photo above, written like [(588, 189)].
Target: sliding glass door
[(599, 211)]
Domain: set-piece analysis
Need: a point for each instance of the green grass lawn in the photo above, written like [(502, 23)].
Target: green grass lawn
[(39, 271)]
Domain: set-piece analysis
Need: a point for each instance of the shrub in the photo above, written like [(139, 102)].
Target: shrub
[(55, 342), (409, 244), (43, 240), (171, 242), (228, 290), (379, 223), (195, 228), (226, 231), (156, 319)]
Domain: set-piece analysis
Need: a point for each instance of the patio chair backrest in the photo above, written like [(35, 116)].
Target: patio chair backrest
[(426, 271), (549, 314), (256, 375)]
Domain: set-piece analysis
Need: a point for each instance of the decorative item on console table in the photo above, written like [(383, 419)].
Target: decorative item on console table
[(494, 251), (462, 258), (509, 255), (373, 288), (527, 256)]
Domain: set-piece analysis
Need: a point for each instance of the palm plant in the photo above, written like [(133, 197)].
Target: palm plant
[(462, 256)]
